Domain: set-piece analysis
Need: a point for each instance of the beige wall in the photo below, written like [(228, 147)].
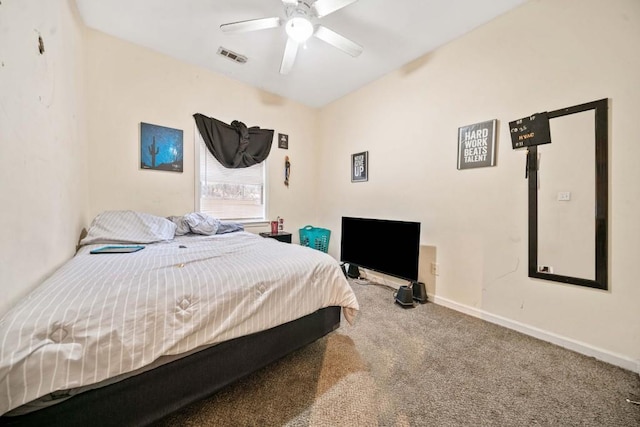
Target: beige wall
[(544, 55), (128, 84), (43, 185)]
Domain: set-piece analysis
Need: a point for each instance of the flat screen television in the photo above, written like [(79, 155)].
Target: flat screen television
[(386, 246)]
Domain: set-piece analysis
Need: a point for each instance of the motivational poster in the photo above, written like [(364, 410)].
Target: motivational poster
[(476, 145)]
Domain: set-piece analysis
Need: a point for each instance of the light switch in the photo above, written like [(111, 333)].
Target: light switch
[(564, 196)]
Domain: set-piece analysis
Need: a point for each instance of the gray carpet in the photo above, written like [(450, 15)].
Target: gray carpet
[(424, 366)]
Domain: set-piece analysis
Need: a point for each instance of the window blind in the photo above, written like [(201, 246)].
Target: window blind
[(230, 194)]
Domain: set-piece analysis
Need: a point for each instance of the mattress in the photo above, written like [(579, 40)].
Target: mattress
[(103, 316)]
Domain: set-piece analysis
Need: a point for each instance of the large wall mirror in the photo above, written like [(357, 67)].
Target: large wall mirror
[(568, 198)]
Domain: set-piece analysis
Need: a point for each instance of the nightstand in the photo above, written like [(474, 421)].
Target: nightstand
[(282, 236)]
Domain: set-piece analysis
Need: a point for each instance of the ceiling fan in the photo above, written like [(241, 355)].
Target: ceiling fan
[(300, 15)]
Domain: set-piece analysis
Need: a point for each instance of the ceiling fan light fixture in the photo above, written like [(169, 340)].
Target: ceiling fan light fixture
[(299, 29)]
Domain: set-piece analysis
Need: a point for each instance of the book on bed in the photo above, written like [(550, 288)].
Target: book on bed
[(117, 249)]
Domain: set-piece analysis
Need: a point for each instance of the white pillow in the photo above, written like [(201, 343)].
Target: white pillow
[(202, 223), (128, 227)]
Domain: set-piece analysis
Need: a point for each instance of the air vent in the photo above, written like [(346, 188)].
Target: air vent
[(236, 57)]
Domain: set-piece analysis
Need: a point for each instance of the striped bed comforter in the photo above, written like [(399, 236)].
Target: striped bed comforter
[(100, 316)]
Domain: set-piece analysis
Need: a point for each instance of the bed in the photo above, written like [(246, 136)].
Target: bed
[(127, 338)]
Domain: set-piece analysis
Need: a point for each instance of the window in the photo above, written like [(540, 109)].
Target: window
[(229, 194)]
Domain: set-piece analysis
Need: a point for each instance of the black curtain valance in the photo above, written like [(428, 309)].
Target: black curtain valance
[(234, 145)]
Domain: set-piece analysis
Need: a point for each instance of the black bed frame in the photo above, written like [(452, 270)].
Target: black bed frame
[(148, 397)]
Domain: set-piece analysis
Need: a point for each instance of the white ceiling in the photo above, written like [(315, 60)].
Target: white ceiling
[(393, 33)]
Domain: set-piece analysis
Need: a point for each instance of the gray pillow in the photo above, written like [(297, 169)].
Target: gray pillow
[(229, 227), (202, 223), (128, 227), (182, 227)]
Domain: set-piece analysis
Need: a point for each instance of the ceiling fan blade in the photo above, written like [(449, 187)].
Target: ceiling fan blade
[(251, 25), (325, 7), (290, 2), (336, 40), (290, 52)]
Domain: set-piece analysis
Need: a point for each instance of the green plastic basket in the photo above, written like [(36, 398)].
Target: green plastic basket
[(315, 237)]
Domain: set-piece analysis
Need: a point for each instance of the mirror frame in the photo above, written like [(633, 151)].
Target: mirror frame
[(602, 199)]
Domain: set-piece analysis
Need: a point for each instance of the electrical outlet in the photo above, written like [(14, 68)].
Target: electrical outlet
[(435, 270), (564, 196)]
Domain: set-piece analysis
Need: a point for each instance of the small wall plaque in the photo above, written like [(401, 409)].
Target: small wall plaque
[(360, 167), (283, 141)]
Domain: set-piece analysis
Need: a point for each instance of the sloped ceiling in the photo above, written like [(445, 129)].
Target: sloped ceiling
[(393, 33)]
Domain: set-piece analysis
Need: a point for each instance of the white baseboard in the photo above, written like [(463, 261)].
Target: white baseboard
[(577, 346)]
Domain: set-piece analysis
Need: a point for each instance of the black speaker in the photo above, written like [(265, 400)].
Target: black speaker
[(353, 271), (419, 292)]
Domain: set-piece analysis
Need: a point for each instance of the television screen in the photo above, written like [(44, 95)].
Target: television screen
[(386, 246)]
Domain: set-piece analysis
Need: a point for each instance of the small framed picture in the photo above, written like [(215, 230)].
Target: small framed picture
[(477, 145), (283, 141), (360, 167)]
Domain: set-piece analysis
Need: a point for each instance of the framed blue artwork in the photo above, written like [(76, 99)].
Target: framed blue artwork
[(160, 148)]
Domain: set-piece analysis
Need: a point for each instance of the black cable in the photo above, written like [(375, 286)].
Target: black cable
[(367, 282)]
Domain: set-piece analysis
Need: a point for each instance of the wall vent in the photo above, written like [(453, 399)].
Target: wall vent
[(235, 57)]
